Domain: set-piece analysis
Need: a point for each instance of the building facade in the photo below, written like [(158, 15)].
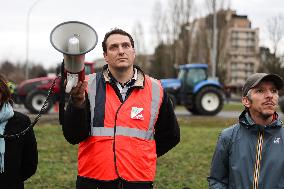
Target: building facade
[(242, 46)]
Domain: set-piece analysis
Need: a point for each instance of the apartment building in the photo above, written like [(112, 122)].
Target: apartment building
[(242, 46)]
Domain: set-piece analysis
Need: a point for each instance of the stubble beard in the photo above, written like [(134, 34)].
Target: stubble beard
[(265, 116), (122, 69)]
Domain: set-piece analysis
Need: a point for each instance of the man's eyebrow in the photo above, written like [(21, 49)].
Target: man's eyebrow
[(117, 44), (113, 45)]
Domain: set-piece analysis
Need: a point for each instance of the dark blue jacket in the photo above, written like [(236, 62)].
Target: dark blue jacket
[(234, 158)]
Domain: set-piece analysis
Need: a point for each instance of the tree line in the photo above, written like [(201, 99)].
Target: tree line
[(15, 72)]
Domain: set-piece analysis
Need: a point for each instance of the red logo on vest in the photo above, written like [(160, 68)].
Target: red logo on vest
[(136, 113)]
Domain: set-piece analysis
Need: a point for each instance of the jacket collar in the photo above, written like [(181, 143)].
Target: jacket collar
[(246, 121), (139, 76)]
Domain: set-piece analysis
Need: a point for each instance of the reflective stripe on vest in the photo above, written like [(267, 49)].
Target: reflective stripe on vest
[(123, 131), (92, 87)]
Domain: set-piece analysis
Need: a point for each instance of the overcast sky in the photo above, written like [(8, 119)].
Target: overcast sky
[(102, 15)]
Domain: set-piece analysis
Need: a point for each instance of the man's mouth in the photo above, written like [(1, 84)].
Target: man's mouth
[(269, 104), (122, 58)]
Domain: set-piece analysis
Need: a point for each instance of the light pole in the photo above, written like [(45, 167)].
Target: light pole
[(189, 30), (28, 36), (214, 45)]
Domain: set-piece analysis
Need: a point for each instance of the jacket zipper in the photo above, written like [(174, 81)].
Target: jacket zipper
[(257, 160)]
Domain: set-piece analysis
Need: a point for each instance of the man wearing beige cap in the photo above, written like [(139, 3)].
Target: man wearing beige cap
[(250, 154)]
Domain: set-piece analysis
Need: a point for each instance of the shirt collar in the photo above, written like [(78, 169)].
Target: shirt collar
[(128, 83), (138, 76)]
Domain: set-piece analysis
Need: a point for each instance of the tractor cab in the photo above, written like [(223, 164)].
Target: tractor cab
[(191, 74)]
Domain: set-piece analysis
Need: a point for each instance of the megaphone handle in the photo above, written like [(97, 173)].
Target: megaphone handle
[(72, 80)]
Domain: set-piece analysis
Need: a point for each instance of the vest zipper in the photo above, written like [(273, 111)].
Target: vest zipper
[(114, 135)]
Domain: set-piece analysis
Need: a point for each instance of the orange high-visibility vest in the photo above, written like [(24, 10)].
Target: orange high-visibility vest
[(124, 145)]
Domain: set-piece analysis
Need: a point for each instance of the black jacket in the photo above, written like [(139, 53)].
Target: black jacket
[(21, 156), (76, 127)]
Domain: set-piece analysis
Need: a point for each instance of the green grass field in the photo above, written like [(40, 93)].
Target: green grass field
[(233, 107), (226, 107), (186, 165)]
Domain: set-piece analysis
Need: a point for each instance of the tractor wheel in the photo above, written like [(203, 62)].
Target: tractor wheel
[(209, 101), (35, 101)]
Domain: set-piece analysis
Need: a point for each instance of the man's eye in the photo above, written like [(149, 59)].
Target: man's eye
[(274, 91), (125, 45), (259, 91), (113, 47)]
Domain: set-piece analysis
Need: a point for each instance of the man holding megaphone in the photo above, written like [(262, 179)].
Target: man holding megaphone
[(121, 119)]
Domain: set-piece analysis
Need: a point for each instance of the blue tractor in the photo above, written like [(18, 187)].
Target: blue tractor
[(193, 89)]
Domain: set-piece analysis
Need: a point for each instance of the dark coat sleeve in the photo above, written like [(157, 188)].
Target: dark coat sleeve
[(76, 127), (167, 132), (30, 153), (219, 172)]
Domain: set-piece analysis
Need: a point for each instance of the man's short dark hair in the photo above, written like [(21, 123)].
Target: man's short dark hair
[(116, 31)]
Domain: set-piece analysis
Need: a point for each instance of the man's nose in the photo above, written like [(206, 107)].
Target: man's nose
[(269, 93), (120, 50)]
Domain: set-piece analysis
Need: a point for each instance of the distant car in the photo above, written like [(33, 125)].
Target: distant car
[(32, 92)]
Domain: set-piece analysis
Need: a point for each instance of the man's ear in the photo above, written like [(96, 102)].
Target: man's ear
[(246, 102), (134, 52), (105, 57)]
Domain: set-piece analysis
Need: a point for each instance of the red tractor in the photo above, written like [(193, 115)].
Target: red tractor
[(32, 92)]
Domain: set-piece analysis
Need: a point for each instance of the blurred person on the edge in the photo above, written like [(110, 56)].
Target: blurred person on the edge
[(18, 155)]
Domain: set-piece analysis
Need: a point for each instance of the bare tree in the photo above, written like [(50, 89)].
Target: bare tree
[(11, 72), (175, 18), (187, 10), (37, 70), (138, 35), (141, 57), (220, 4), (180, 14), (273, 62), (170, 50), (275, 26), (14, 71), (158, 25), (221, 34)]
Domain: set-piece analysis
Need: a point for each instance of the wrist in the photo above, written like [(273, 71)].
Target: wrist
[(78, 103)]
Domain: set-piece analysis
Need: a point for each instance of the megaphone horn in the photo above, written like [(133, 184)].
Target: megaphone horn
[(74, 39)]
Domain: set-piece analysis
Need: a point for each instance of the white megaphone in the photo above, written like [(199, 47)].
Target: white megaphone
[(74, 39)]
